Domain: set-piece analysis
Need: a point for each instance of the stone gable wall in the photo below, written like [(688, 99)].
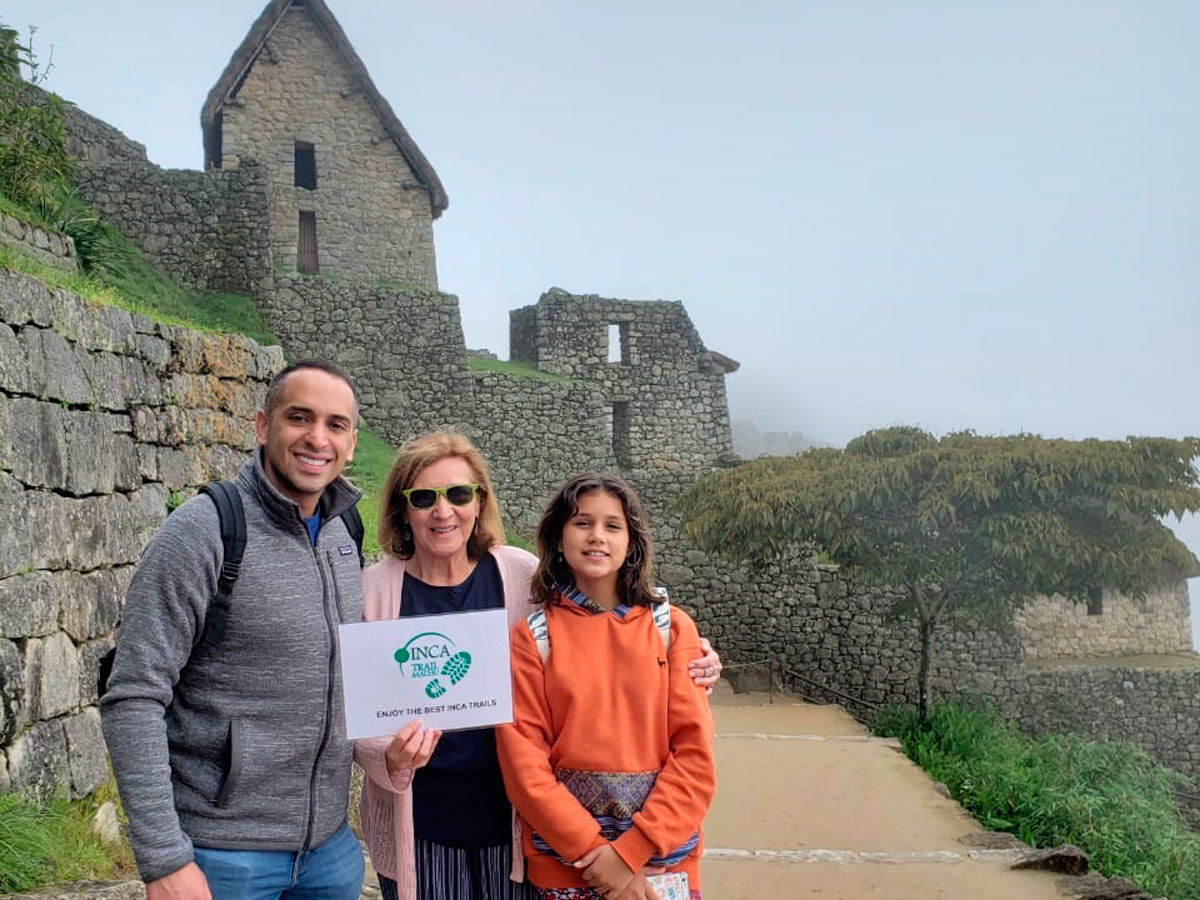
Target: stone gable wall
[(677, 412), (373, 219), (103, 415)]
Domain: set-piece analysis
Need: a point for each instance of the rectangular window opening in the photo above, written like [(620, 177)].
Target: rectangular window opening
[(306, 166), (306, 252), (618, 343), (622, 447), (1095, 603)]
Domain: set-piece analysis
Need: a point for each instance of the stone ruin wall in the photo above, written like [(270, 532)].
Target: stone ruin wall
[(373, 218), (207, 230), (403, 345), (1058, 628), (103, 416)]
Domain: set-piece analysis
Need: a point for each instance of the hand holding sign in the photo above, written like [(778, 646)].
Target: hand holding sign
[(411, 748)]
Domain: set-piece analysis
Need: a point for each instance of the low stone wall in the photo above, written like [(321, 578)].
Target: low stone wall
[(1158, 708), (404, 346), (534, 435), (104, 416), (50, 247), (208, 230)]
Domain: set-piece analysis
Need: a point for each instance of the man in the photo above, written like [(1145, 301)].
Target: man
[(229, 749)]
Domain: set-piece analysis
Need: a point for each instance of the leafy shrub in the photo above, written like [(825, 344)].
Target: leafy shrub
[(1106, 797)]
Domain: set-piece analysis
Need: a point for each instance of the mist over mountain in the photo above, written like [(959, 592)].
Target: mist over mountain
[(749, 442)]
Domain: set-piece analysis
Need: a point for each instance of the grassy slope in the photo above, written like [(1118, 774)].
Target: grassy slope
[(1108, 798)]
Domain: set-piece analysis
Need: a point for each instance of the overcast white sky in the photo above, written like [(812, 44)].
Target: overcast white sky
[(980, 214)]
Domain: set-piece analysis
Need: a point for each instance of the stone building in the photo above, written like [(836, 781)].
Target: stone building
[(349, 192)]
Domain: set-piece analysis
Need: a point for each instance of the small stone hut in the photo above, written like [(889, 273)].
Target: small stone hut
[(350, 193)]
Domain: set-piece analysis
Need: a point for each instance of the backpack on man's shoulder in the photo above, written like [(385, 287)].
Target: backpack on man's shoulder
[(232, 518), (661, 611)]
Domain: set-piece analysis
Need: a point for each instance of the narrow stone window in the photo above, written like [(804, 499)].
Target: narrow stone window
[(306, 254), (1096, 602), (618, 343), (306, 166), (622, 446)]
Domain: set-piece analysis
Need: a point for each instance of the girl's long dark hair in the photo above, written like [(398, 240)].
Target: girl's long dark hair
[(635, 578)]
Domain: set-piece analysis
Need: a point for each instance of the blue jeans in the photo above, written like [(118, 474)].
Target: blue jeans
[(330, 871)]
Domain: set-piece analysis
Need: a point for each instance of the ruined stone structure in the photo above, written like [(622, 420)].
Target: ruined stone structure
[(295, 126)]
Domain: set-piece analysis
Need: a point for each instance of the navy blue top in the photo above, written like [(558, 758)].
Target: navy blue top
[(458, 796), (313, 524)]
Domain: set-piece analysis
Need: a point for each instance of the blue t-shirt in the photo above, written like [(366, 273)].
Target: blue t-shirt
[(313, 524), (458, 796)]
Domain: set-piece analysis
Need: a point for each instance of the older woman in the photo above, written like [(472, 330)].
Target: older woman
[(434, 812)]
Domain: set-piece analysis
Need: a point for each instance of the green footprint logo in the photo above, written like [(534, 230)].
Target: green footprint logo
[(457, 666)]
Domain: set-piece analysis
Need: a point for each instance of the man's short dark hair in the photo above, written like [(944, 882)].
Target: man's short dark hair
[(275, 388)]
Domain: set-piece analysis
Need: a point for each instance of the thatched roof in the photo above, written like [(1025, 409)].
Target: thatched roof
[(245, 55)]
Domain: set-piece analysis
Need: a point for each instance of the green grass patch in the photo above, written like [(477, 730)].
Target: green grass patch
[(513, 368), (129, 281), (373, 458), (23, 213), (51, 843), (1107, 798)]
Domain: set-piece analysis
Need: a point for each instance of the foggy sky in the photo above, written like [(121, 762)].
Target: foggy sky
[(958, 215)]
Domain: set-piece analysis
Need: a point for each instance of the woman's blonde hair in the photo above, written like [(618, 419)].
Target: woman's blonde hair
[(395, 537)]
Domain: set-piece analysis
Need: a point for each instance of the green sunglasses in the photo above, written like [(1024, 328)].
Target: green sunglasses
[(457, 494)]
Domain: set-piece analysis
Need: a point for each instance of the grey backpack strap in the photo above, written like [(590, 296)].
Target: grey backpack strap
[(224, 494)]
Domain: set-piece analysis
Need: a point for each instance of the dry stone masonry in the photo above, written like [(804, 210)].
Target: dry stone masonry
[(105, 418)]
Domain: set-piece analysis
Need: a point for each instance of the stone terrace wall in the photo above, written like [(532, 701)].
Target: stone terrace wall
[(1157, 708), (94, 140), (403, 345), (103, 414), (50, 247), (208, 230), (535, 434), (1056, 627)]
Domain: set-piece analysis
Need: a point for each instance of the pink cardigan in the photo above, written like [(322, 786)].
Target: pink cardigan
[(386, 807)]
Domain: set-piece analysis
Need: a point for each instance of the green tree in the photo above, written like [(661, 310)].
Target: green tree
[(964, 524)]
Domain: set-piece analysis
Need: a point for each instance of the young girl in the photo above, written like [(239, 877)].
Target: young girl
[(610, 761)]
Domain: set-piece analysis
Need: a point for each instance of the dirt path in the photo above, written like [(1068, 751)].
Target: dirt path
[(810, 806)]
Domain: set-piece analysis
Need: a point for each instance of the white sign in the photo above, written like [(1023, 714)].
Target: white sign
[(450, 671)]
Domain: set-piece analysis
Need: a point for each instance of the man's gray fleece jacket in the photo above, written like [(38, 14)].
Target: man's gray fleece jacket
[(240, 745)]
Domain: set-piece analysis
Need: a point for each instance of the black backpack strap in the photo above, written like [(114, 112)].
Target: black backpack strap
[(225, 496), (354, 524)]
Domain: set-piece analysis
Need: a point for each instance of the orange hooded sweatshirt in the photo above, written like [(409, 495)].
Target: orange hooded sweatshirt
[(612, 741)]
